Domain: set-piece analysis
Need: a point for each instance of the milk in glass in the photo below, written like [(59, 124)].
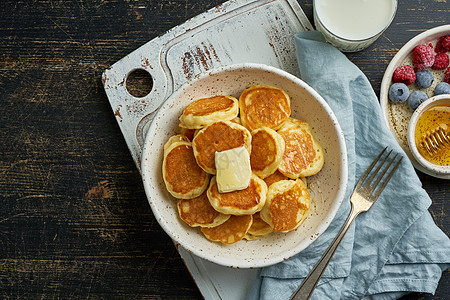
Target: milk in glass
[(352, 25)]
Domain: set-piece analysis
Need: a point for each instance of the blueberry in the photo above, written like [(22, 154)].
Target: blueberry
[(442, 88), (398, 92), (416, 98), (424, 79)]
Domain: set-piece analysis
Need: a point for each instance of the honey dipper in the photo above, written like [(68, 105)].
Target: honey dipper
[(436, 139)]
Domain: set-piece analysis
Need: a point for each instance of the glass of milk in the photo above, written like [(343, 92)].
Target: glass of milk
[(352, 25)]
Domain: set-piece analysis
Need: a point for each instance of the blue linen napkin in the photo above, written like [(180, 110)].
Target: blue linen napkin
[(394, 248)]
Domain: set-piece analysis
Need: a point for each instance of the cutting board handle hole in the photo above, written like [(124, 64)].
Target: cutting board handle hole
[(139, 83)]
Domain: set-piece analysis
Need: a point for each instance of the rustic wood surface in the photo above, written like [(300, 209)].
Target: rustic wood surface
[(74, 219)]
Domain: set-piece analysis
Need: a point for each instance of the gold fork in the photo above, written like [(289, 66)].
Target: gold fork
[(364, 196)]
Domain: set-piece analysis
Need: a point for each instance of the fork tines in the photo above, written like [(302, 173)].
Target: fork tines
[(368, 183)]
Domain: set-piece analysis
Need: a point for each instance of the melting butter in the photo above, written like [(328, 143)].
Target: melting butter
[(233, 169)]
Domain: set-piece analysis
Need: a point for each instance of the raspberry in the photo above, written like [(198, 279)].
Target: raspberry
[(439, 48), (446, 43), (441, 61), (447, 75), (423, 56), (404, 74), (443, 44)]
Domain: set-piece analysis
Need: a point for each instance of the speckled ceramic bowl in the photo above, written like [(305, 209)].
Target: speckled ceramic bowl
[(328, 185), (397, 116)]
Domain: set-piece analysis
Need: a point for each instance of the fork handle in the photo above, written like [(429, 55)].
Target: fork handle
[(305, 290)]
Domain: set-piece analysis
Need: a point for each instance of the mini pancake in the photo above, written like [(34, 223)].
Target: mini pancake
[(174, 139), (278, 176), (264, 105), (205, 111), (258, 229), (267, 151), (303, 156), (237, 120), (218, 137), (242, 202), (275, 177), (230, 232), (199, 212), (184, 179), (287, 206), (189, 133)]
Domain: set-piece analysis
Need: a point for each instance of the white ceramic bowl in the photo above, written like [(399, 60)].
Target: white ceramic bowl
[(329, 184), (397, 116), (435, 170)]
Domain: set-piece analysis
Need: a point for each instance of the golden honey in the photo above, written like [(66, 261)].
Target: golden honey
[(429, 120)]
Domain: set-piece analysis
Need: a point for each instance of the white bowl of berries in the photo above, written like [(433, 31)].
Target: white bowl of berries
[(419, 71)]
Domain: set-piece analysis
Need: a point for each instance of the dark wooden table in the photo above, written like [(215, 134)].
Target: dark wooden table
[(74, 219)]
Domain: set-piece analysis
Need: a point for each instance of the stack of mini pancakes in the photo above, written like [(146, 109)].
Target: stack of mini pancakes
[(283, 151)]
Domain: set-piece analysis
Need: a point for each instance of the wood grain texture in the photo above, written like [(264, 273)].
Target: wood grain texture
[(74, 219)]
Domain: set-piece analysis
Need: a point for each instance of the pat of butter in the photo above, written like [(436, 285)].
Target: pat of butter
[(233, 169)]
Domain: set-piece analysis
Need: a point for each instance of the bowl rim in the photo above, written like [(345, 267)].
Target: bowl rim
[(343, 172), (443, 171)]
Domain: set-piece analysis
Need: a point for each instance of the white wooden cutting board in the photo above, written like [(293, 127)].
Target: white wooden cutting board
[(259, 31)]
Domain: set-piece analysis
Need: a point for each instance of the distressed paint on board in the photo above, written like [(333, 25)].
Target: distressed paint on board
[(237, 31)]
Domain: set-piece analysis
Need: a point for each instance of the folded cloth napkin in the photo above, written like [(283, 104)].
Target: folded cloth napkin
[(394, 248)]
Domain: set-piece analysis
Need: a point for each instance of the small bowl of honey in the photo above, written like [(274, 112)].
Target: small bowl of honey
[(429, 135)]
